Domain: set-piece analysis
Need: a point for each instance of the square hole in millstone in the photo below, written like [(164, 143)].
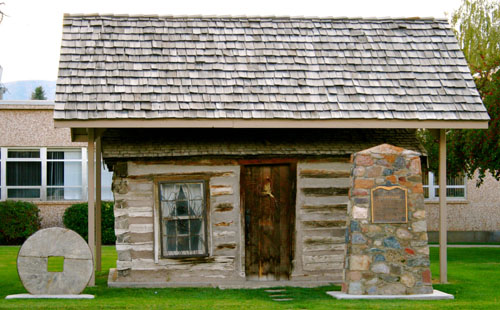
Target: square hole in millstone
[(55, 263)]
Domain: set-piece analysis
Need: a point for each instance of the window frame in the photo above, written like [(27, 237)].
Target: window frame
[(433, 189), (205, 220)]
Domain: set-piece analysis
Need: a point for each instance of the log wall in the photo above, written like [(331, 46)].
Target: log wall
[(321, 211), (322, 196), (136, 218)]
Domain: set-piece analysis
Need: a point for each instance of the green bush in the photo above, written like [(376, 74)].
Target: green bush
[(18, 221), (76, 218)]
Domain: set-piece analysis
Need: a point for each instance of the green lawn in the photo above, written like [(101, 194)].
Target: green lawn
[(474, 276)]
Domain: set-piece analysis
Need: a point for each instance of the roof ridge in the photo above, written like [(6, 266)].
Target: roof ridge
[(299, 17)]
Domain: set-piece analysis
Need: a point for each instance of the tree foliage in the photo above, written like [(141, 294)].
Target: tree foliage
[(477, 28), (38, 94), (479, 150)]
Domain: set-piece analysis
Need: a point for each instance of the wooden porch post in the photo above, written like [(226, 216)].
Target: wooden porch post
[(443, 265), (98, 232), (91, 205)]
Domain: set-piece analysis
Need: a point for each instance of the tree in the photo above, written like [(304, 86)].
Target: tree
[(2, 14), (38, 94), (479, 150), (477, 28)]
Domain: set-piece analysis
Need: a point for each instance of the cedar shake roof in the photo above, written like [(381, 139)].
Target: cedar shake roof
[(260, 68)]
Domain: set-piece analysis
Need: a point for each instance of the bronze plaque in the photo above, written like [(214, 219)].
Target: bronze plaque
[(389, 204)]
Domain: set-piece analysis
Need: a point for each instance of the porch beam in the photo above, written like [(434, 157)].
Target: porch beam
[(91, 204), (265, 123), (98, 232), (443, 227)]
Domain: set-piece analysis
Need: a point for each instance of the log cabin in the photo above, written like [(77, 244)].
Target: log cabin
[(230, 138)]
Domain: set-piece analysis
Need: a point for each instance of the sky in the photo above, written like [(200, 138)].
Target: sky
[(30, 36)]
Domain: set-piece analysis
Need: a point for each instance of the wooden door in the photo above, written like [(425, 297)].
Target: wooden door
[(269, 207)]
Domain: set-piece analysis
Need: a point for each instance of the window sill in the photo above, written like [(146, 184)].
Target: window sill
[(448, 202), (58, 202), (196, 258)]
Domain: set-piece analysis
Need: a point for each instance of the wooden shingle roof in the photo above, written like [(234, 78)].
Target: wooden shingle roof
[(117, 67)]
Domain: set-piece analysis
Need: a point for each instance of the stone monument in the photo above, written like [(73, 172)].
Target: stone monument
[(387, 251)]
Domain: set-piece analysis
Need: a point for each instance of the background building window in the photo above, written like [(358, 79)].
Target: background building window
[(64, 175), (183, 218), (48, 174), (455, 187), (106, 181), (23, 174)]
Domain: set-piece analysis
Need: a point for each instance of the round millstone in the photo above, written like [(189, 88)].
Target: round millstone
[(33, 258)]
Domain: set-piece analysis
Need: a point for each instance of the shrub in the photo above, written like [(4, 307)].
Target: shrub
[(18, 221), (76, 218)]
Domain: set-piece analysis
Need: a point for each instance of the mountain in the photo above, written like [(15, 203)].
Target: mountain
[(21, 90)]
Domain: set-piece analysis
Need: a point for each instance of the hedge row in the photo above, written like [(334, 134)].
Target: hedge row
[(18, 221), (76, 218), (21, 219)]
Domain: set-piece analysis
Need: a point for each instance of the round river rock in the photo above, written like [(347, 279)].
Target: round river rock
[(33, 257)]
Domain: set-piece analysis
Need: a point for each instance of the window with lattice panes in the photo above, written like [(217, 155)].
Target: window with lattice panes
[(183, 218)]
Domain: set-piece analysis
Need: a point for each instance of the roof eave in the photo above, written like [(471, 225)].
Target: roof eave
[(272, 123), (78, 126)]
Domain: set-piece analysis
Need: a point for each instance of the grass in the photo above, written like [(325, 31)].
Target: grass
[(467, 243), (474, 276)]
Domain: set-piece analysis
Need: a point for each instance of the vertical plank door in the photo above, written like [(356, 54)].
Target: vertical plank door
[(269, 221)]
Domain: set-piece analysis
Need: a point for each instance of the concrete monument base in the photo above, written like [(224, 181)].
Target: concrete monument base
[(436, 295), (30, 296)]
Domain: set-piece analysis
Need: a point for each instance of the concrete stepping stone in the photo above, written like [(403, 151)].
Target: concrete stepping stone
[(279, 295), (283, 299), (275, 291)]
